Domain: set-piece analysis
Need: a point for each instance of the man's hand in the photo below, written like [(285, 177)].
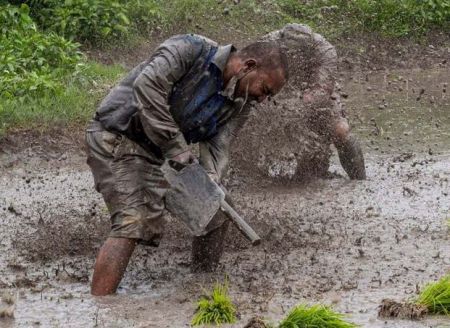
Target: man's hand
[(185, 158)]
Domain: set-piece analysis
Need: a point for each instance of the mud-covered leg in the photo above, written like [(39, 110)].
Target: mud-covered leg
[(207, 250), (110, 265)]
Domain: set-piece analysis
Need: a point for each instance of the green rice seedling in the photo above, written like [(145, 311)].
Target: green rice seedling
[(303, 316), (215, 309), (436, 296)]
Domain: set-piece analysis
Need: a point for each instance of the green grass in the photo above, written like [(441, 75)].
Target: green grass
[(303, 316), (216, 308), (215, 19), (436, 296), (389, 18), (74, 103)]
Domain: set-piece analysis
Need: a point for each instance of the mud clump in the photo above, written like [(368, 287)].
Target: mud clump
[(255, 323), (392, 309), (7, 305)]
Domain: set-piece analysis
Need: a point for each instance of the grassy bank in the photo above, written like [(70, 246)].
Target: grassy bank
[(73, 103), (47, 80)]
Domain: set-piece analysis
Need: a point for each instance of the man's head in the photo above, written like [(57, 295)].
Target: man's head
[(261, 68)]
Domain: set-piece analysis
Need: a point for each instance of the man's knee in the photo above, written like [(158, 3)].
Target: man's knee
[(341, 131)]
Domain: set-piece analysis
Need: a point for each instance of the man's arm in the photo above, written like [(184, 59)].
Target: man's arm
[(349, 149), (215, 153), (351, 157), (152, 89)]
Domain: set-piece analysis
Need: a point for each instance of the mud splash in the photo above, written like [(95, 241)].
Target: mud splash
[(341, 242)]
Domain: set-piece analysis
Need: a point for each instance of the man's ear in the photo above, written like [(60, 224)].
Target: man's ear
[(249, 65)]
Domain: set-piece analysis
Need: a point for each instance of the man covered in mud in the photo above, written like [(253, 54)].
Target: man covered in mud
[(189, 91), (313, 70)]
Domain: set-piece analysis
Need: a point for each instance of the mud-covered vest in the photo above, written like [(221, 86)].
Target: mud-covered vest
[(195, 102)]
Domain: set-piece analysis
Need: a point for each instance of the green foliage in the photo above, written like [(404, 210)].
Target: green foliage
[(73, 103), (436, 296), (91, 21), (184, 12), (144, 15), (216, 308), (31, 62), (388, 17), (303, 316), (391, 18)]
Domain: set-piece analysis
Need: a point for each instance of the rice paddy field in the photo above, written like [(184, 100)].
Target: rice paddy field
[(344, 244)]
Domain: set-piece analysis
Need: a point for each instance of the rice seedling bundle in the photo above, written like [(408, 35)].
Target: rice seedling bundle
[(315, 316), (436, 296), (216, 308)]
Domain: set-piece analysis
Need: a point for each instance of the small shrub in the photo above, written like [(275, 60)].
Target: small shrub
[(73, 102), (436, 296), (303, 316), (144, 15), (216, 308), (93, 21), (30, 61)]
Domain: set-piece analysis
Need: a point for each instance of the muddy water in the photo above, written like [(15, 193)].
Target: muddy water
[(336, 241)]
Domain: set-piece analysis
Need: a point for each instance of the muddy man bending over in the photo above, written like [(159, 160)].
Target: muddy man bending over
[(313, 70), (189, 91)]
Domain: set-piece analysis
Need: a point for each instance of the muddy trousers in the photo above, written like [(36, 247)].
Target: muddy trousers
[(133, 187), (207, 250)]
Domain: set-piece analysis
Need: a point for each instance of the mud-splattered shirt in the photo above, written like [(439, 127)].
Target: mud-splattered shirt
[(141, 107), (313, 70)]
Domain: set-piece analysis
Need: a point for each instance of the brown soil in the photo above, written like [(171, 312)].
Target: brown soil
[(356, 52), (371, 53), (255, 323), (392, 309), (46, 144)]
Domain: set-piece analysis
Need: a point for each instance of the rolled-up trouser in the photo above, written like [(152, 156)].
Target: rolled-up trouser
[(131, 182), (133, 187)]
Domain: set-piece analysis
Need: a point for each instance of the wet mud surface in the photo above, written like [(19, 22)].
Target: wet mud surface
[(332, 240)]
